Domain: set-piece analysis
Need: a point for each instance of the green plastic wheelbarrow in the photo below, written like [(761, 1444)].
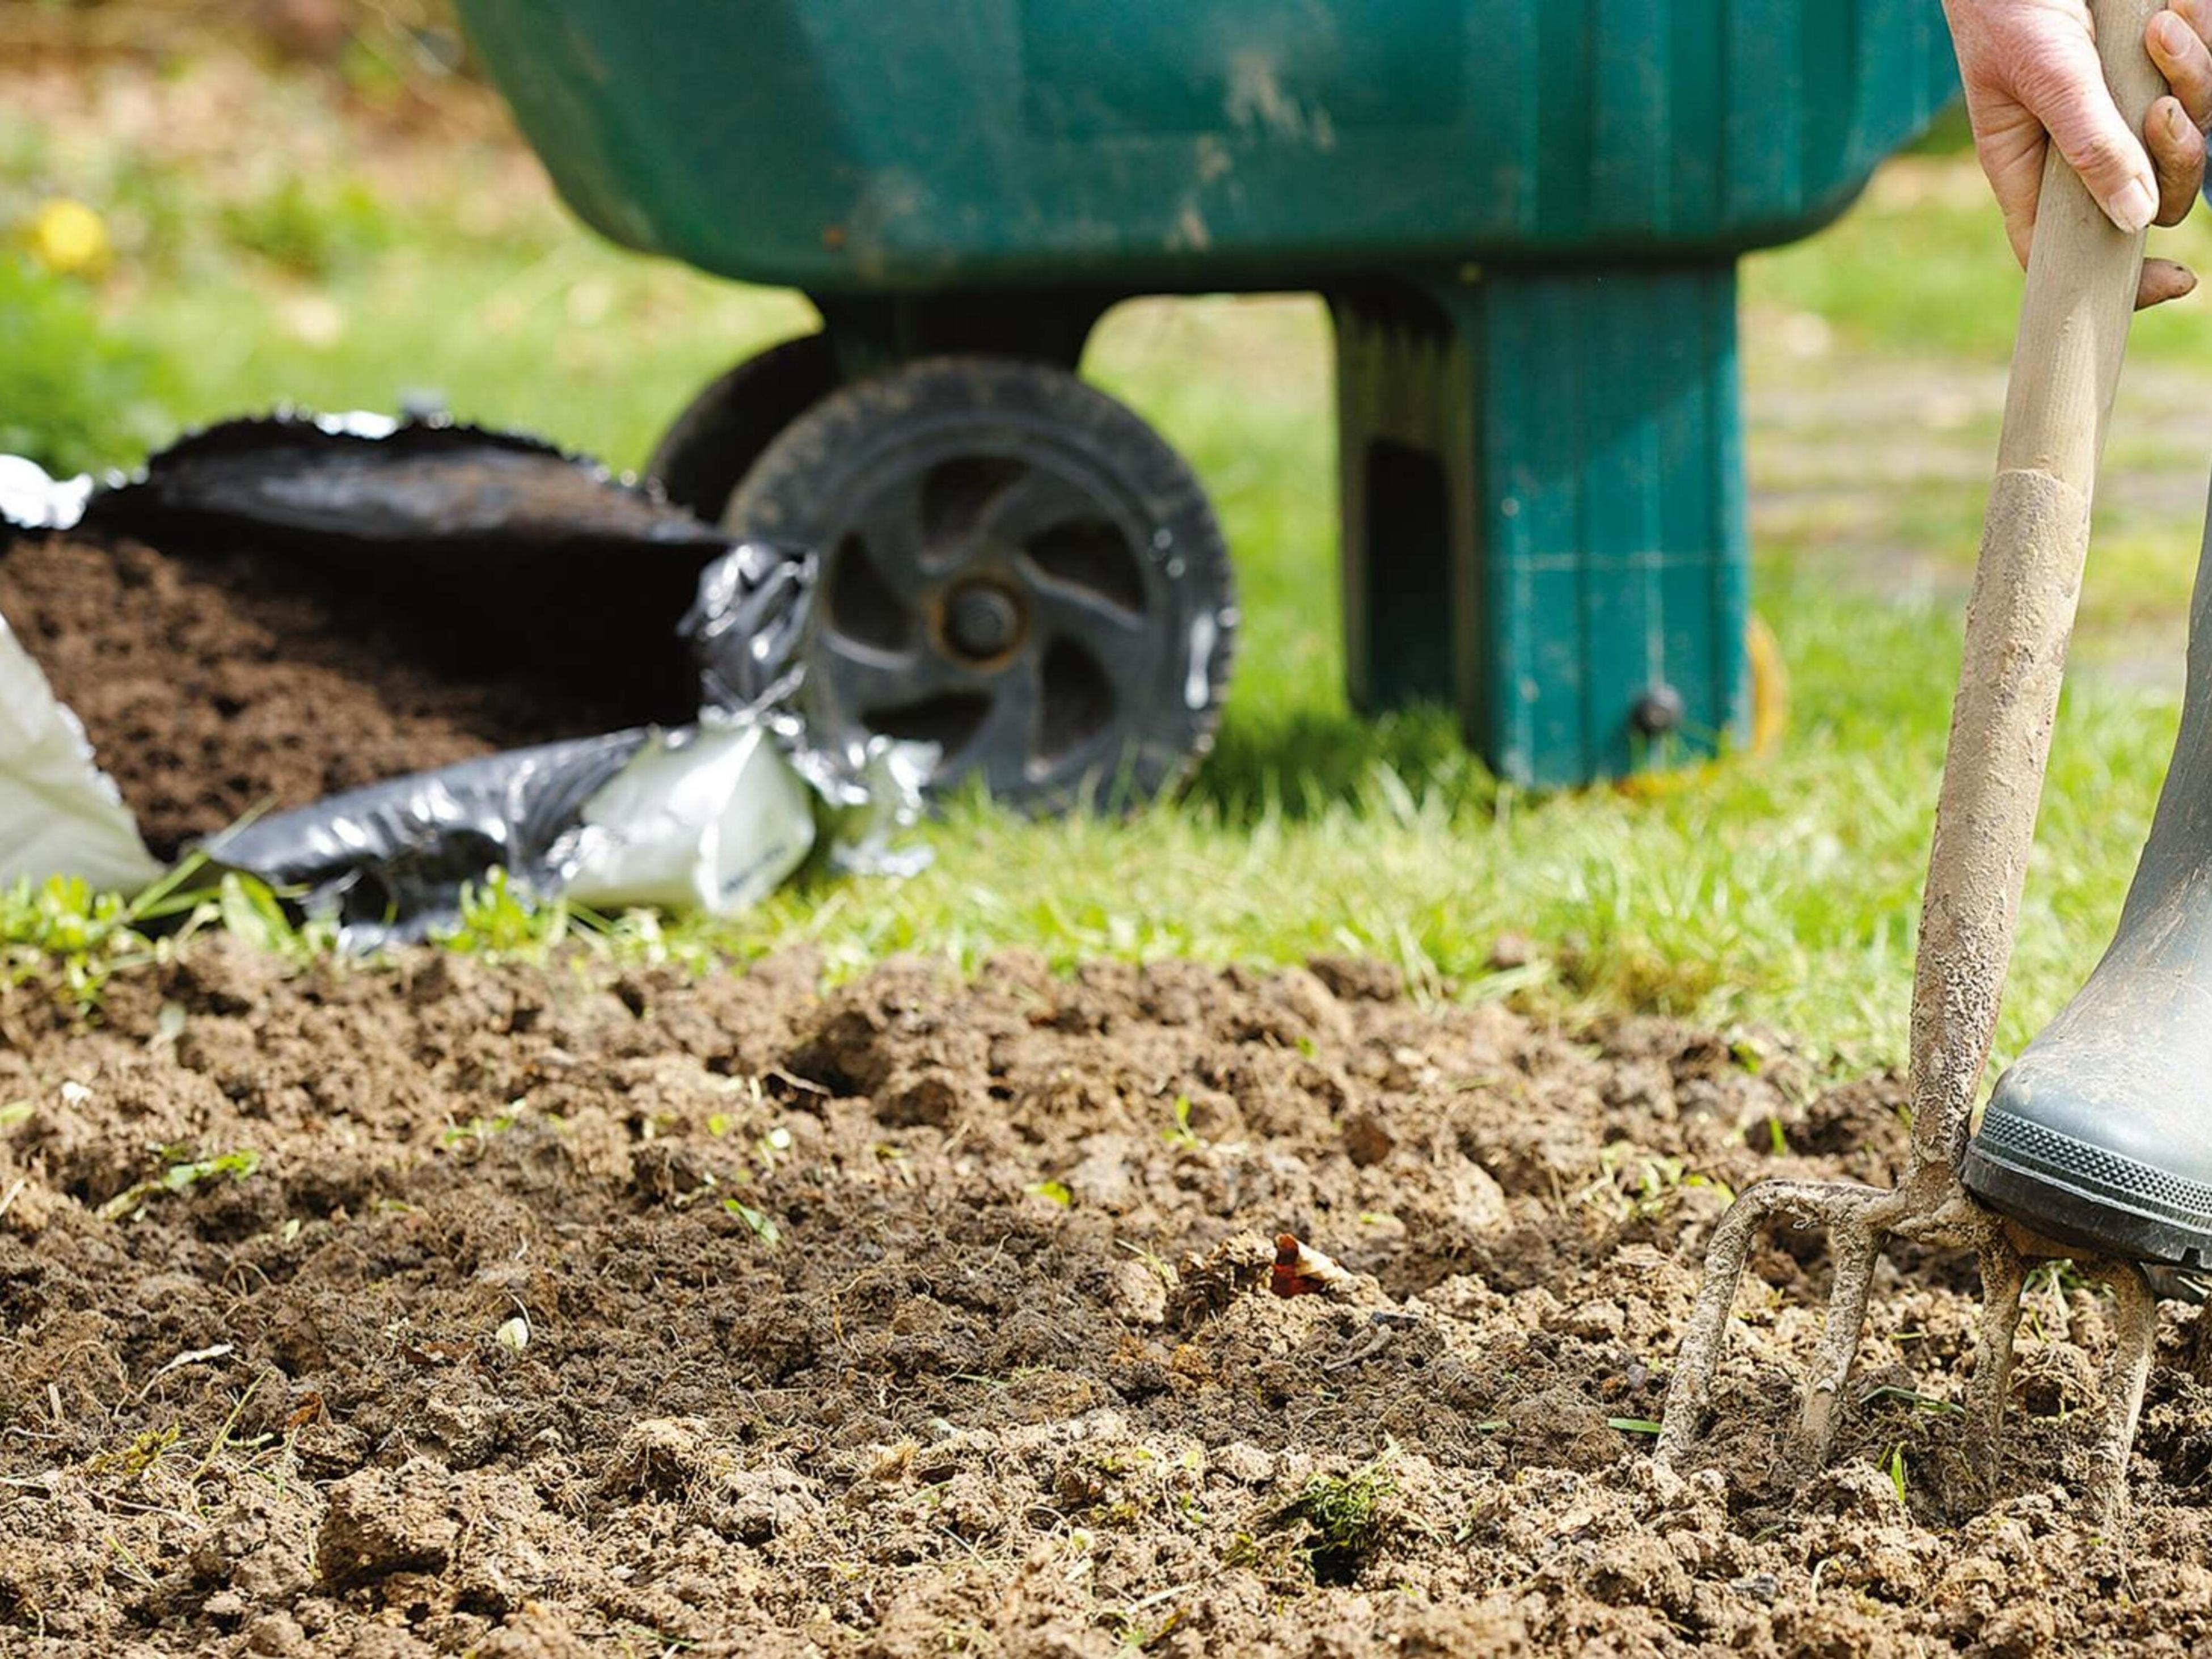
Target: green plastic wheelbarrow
[(1525, 219)]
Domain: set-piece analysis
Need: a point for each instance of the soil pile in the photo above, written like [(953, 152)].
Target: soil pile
[(215, 683), (504, 1309)]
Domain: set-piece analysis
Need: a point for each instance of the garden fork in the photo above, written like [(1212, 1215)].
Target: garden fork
[(2081, 277)]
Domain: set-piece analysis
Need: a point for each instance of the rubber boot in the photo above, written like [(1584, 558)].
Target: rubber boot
[(2101, 1135)]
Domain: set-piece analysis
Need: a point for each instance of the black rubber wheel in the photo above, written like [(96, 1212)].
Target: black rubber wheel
[(1016, 568), (705, 454)]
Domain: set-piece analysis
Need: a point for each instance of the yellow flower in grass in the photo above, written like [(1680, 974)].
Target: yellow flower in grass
[(67, 237)]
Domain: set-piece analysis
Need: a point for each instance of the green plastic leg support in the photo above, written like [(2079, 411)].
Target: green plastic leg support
[(1543, 512)]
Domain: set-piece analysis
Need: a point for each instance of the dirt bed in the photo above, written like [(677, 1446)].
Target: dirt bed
[(467, 1307), (213, 683)]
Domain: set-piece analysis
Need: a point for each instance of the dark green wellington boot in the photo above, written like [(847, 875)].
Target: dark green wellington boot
[(2101, 1135)]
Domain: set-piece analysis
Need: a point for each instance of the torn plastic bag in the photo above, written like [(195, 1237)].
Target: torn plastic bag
[(872, 799), (713, 819), (389, 860), (368, 481), (501, 548), (708, 817), (359, 479), (746, 629), (60, 813), (32, 500)]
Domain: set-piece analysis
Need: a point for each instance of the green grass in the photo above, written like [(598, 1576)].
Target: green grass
[(73, 393), (1780, 889)]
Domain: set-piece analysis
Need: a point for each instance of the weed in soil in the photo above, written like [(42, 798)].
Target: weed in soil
[(1342, 1518)]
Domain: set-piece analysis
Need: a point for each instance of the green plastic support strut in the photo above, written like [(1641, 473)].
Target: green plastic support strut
[(1543, 512)]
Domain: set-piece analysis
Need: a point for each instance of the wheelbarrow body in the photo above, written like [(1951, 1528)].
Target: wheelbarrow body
[(1525, 217)]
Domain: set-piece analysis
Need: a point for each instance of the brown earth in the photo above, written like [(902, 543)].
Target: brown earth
[(215, 684), (460, 1307)]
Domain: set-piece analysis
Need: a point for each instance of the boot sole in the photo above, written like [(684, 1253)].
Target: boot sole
[(2079, 1194)]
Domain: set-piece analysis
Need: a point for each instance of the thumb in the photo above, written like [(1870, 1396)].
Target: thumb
[(2067, 95)]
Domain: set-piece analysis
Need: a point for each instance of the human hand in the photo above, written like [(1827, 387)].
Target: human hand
[(2032, 78)]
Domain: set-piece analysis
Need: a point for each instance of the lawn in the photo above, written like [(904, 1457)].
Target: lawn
[(272, 240)]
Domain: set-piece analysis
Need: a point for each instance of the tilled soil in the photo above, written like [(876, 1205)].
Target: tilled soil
[(459, 1307)]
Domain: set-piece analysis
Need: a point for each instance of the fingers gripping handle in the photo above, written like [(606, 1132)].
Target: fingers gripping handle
[(2081, 275)]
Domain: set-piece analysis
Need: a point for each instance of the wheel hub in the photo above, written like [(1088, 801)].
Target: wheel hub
[(982, 620)]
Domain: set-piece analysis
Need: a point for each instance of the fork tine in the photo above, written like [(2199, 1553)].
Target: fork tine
[(2004, 1276), (2125, 1375), (1854, 1245), (1682, 1418)]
